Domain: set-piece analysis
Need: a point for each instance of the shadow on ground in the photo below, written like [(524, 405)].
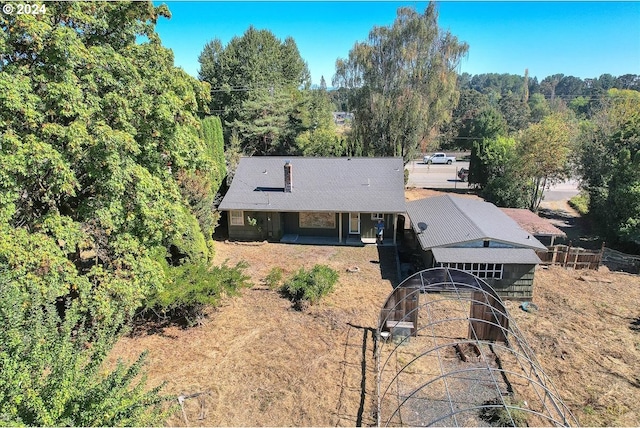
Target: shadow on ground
[(359, 347), (579, 231), (388, 257)]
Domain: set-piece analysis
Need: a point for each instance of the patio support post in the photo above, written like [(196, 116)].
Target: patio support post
[(395, 228), (340, 228)]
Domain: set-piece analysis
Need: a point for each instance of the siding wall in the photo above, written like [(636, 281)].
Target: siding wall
[(516, 282), (292, 225), (273, 225), (368, 226), (248, 232)]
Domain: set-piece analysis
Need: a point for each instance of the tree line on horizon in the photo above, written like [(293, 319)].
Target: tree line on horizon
[(112, 160)]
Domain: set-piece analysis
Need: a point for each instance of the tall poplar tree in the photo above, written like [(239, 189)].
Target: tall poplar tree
[(405, 80)]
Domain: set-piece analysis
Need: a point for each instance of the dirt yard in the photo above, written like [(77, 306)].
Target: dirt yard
[(261, 363), (266, 364)]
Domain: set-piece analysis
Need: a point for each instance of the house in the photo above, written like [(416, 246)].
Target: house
[(477, 237), (314, 200)]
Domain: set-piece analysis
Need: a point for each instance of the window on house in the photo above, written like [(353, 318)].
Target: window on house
[(377, 216), (237, 218), (481, 270)]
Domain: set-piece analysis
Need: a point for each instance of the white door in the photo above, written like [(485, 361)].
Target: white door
[(354, 223)]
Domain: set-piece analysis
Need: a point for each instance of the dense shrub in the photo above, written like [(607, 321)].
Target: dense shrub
[(308, 287), (506, 191), (193, 287)]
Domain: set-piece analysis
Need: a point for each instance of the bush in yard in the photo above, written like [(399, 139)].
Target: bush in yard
[(498, 416), (274, 278), (192, 287), (308, 287)]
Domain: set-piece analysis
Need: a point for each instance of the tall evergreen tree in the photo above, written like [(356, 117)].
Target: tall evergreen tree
[(255, 83)]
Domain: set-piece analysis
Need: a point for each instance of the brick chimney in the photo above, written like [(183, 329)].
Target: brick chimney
[(288, 177)]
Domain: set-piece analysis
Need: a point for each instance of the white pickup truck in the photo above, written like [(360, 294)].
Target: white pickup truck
[(439, 158)]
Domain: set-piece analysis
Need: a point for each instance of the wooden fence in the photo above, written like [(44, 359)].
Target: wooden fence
[(579, 258), (572, 257)]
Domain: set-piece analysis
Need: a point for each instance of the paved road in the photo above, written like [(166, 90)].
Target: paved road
[(562, 191), (435, 176), (446, 177)]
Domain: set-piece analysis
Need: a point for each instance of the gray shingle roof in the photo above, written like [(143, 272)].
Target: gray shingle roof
[(486, 255), (446, 221), (319, 184)]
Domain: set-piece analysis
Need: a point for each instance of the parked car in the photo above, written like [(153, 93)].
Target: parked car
[(463, 174), (440, 158)]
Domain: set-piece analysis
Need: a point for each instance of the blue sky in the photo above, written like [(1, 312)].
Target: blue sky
[(583, 39)]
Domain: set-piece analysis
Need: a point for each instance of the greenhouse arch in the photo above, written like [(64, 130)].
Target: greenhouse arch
[(449, 354)]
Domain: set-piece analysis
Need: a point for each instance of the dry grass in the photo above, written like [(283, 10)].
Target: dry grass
[(586, 335), (414, 193)]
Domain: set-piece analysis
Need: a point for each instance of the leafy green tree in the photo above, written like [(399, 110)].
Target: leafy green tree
[(501, 84), (501, 167), (340, 98), (262, 121), (580, 106), (623, 198), (320, 137), (606, 81), (544, 152), (628, 81), (608, 165), (485, 130), (93, 140), (488, 124), (570, 87), (458, 131), (101, 159), (515, 111), (538, 107), (549, 84), (405, 83)]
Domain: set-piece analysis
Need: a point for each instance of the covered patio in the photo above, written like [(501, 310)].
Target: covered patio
[(333, 240)]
